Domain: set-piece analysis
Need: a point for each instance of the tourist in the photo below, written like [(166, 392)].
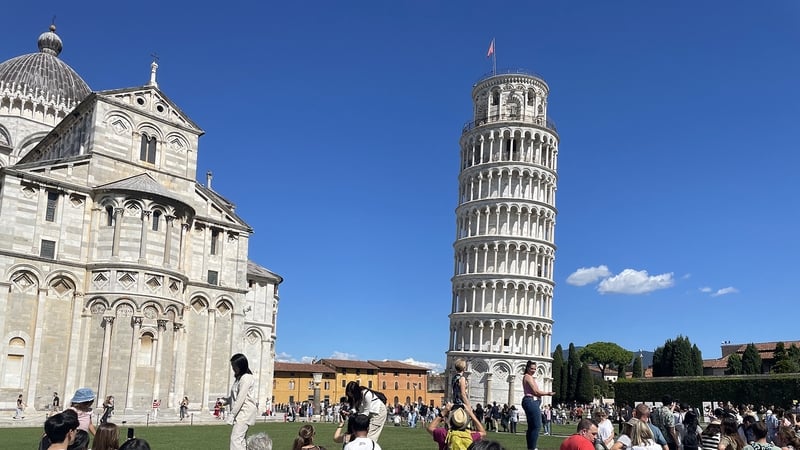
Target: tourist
[(729, 436), (663, 418), (690, 437), (457, 419), (366, 402), (642, 412), (583, 439), (108, 408), (343, 435), (787, 438), (772, 423), (745, 429), (156, 405), (20, 408), (135, 444), (760, 433), (531, 404), (513, 418), (305, 439), (605, 429), (709, 438), (184, 408), (242, 402), (81, 403), (459, 385), (362, 425), (259, 441), (547, 419), (107, 437), (80, 442), (479, 412), (60, 430)]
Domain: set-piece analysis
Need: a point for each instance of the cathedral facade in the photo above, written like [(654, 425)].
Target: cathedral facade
[(118, 270)]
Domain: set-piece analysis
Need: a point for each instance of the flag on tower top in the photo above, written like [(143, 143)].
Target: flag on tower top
[(491, 49)]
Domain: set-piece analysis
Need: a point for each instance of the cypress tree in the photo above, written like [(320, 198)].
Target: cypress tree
[(734, 365), (558, 365), (585, 385), (638, 371), (698, 360), (573, 366), (683, 361), (751, 360)]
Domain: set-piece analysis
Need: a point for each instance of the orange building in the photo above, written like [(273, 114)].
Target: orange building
[(402, 383), (348, 370), (294, 383)]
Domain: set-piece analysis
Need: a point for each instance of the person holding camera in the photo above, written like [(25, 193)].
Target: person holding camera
[(365, 401)]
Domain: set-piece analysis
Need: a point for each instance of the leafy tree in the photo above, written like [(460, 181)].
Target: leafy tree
[(734, 365), (638, 371), (794, 354), (751, 360), (698, 360), (585, 385), (573, 366), (621, 369), (605, 355), (675, 358), (558, 365)]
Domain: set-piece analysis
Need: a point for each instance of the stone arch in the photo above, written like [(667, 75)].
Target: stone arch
[(120, 122), (97, 305), (24, 279), (28, 143), (124, 307), (199, 303)]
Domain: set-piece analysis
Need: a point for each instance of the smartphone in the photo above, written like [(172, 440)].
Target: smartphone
[(130, 433)]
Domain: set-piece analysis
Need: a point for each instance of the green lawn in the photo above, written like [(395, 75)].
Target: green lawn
[(283, 434)]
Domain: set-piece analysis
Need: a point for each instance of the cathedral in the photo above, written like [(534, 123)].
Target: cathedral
[(118, 270)]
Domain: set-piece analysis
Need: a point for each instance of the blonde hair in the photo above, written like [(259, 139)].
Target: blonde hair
[(640, 433), (460, 365)]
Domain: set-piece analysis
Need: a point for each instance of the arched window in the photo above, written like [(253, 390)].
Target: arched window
[(383, 386), (396, 385), (15, 363), (408, 385), (496, 98), (109, 216), (156, 219), (147, 150)]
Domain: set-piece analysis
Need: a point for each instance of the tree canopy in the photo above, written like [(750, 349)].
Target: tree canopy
[(677, 357), (751, 360), (606, 355), (558, 367), (734, 366)]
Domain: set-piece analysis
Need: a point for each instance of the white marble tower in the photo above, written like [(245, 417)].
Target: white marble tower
[(502, 311)]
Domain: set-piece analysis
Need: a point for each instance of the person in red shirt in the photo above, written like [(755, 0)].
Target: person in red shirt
[(584, 438)]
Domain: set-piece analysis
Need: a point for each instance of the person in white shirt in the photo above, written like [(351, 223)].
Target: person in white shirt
[(364, 401), (243, 409), (361, 426)]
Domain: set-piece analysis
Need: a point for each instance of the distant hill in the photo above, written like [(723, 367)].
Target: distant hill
[(647, 357)]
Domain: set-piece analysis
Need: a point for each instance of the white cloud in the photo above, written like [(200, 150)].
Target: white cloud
[(433, 367), (631, 281), (588, 275), (284, 357), (343, 355), (686, 277), (725, 291), (706, 289)]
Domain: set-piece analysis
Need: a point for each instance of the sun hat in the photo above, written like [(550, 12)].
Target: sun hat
[(458, 418), (83, 395)]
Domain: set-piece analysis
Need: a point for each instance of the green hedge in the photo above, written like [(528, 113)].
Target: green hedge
[(780, 390)]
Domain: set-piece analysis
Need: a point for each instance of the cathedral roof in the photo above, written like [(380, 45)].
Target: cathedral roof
[(44, 73), (256, 271), (139, 183)]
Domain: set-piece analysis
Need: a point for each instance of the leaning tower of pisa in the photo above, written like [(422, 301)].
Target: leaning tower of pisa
[(502, 311)]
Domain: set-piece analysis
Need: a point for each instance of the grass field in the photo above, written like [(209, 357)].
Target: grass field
[(282, 434)]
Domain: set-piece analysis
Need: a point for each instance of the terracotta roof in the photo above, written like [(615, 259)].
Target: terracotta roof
[(347, 364), (395, 365), (721, 363), (302, 367)]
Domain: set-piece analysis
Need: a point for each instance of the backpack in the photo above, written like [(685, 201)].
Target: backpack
[(378, 394), (458, 440)]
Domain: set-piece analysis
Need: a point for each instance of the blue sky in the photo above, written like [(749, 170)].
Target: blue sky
[(334, 126)]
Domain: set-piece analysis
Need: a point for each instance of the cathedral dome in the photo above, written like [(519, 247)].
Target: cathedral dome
[(44, 73)]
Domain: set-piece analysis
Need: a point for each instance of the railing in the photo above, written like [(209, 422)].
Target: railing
[(509, 72), (536, 120)]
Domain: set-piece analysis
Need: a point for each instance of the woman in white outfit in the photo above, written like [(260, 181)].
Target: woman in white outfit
[(365, 402), (242, 401)]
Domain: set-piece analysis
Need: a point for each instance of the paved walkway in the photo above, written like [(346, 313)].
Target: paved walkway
[(36, 419)]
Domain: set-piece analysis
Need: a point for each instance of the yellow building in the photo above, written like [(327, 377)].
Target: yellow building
[(294, 383), (402, 383), (349, 370)]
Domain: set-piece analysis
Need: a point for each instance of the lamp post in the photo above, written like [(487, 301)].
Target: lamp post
[(415, 393), (317, 377)]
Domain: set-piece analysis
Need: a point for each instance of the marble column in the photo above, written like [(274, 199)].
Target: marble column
[(511, 379), (108, 324), (212, 320), (136, 322), (143, 237), (118, 214), (162, 325), (168, 239), (36, 358)]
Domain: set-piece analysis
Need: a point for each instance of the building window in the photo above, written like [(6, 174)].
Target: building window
[(52, 203), (326, 385), (396, 385), (496, 98), (147, 151), (48, 249), (213, 276), (214, 241), (383, 385), (369, 384), (156, 219), (344, 383), (291, 385), (408, 385), (109, 216)]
